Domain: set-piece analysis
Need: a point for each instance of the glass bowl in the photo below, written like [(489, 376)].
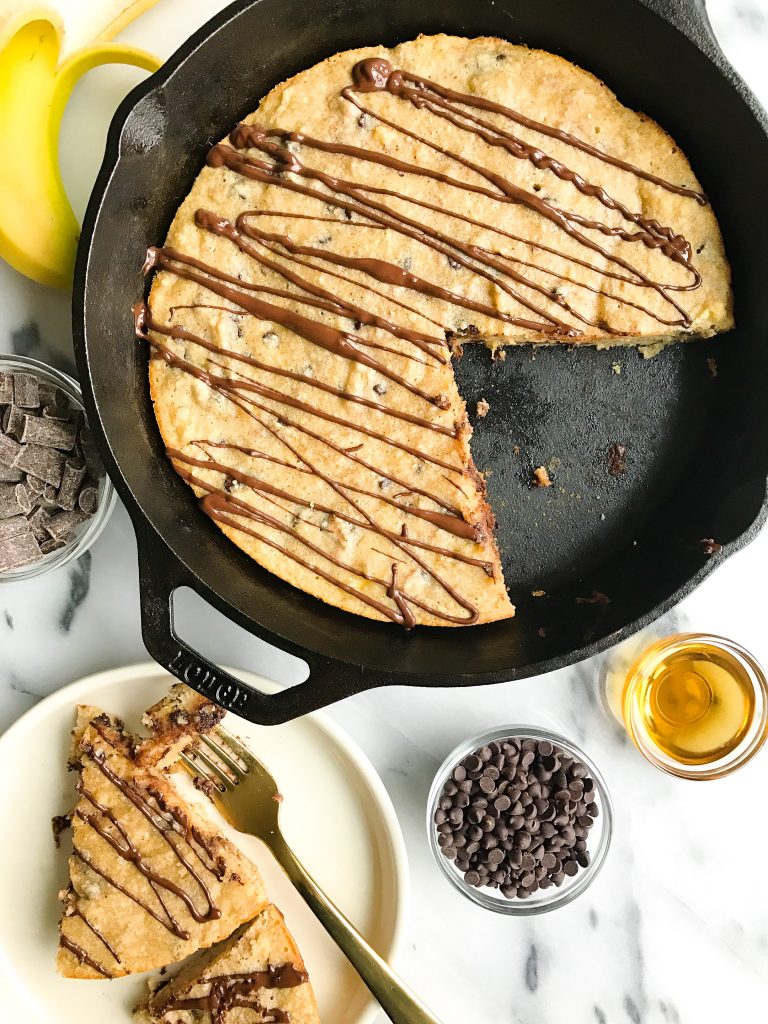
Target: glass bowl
[(542, 900), (88, 532), (754, 736)]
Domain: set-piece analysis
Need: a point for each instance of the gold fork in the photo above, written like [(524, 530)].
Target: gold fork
[(247, 796)]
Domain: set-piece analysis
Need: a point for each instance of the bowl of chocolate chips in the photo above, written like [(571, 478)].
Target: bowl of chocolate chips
[(55, 497), (519, 820)]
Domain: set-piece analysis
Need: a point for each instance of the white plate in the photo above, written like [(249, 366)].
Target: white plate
[(336, 815)]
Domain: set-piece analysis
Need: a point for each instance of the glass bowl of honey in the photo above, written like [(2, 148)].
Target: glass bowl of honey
[(696, 705)]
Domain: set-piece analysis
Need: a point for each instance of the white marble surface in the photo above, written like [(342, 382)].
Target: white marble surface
[(676, 927)]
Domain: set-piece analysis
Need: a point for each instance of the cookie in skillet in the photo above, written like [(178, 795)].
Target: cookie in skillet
[(376, 209)]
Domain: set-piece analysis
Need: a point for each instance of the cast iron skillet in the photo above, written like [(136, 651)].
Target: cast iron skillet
[(697, 445)]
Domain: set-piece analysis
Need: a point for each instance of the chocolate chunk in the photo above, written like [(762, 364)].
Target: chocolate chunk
[(34, 485), (71, 480), (49, 498), (55, 412), (22, 549), (9, 450), (6, 388), (14, 500), (26, 393), (49, 433), (38, 522), (13, 422), (9, 475), (61, 524), (45, 463), (48, 394), (51, 544), (13, 526)]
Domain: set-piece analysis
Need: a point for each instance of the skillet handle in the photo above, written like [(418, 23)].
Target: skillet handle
[(328, 681)]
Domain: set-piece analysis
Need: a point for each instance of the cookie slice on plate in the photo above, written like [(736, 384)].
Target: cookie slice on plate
[(257, 974), (151, 878)]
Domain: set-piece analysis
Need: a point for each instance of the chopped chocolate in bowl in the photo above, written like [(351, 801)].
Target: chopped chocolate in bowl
[(519, 820), (55, 497)]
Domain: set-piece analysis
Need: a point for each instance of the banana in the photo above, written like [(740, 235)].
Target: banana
[(38, 229)]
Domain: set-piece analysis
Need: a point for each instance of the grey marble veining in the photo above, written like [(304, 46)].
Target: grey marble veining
[(675, 929)]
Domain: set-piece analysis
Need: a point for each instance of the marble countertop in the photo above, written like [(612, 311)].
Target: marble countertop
[(675, 929)]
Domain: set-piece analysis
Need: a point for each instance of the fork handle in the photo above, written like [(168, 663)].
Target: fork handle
[(400, 1004)]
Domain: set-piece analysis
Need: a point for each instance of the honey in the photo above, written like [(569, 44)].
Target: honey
[(695, 705)]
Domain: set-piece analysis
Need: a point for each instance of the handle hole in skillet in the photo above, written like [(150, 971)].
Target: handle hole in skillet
[(225, 643)]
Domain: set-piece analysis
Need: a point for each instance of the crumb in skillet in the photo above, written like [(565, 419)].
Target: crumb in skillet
[(710, 546), (597, 598), (541, 477), (617, 459), (483, 408)]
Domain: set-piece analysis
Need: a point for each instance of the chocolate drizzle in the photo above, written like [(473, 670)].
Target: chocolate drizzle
[(85, 958), (271, 156), (188, 849), (232, 991)]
